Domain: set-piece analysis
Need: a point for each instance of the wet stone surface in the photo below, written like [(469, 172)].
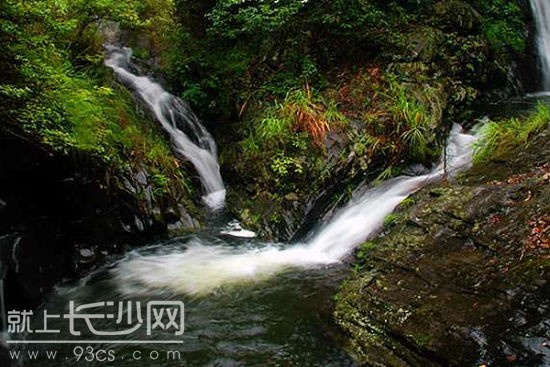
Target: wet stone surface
[(460, 275)]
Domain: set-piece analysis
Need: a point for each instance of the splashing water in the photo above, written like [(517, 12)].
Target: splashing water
[(189, 137), (201, 268), (541, 12)]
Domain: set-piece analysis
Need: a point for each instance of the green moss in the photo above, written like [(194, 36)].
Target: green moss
[(447, 263), (390, 220)]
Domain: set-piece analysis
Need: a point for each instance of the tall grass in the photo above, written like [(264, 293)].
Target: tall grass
[(302, 111), (498, 137), (306, 114), (414, 114)]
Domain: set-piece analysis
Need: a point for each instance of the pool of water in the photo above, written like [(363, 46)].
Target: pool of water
[(284, 321)]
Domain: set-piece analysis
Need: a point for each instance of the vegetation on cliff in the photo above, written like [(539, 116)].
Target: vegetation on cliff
[(306, 93), (299, 93), (56, 92)]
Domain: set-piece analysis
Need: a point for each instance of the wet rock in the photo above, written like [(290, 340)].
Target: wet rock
[(86, 255), (66, 214), (456, 280), (458, 15)]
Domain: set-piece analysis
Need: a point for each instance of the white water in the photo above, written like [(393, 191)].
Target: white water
[(541, 12), (201, 268), (175, 116)]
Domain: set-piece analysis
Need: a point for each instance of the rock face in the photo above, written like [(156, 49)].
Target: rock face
[(61, 215), (460, 275)]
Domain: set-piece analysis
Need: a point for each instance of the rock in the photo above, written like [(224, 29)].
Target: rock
[(66, 214), (448, 284), (86, 255), (292, 197)]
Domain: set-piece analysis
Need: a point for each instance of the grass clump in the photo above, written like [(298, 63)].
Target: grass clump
[(498, 137), (303, 111)]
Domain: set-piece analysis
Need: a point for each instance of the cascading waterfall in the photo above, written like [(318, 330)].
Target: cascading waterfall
[(201, 268), (541, 12), (189, 137)]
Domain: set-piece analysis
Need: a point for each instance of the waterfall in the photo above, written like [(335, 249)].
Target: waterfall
[(189, 137), (202, 267), (541, 12)]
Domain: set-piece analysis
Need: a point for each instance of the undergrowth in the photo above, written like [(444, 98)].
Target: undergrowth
[(498, 137)]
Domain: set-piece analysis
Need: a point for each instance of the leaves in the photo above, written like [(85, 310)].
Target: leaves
[(53, 84)]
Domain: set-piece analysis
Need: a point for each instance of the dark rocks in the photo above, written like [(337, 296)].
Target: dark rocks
[(66, 213), (458, 15), (456, 280)]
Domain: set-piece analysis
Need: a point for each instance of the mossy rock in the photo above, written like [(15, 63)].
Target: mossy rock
[(423, 43), (459, 279)]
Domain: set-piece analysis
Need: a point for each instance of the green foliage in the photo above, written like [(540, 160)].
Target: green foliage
[(160, 184), (390, 220), (387, 173), (412, 117), (283, 165), (54, 86), (233, 53), (235, 18), (502, 34), (498, 137), (504, 24), (303, 113), (388, 76), (272, 126)]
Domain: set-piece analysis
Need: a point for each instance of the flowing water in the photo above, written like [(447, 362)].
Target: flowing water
[(247, 303), (541, 12), (189, 137), (200, 268)]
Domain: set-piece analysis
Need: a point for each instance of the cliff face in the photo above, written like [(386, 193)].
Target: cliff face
[(460, 274), (61, 215), (84, 171)]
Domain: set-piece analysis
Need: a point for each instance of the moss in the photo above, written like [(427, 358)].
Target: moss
[(448, 269), (458, 15), (390, 220)]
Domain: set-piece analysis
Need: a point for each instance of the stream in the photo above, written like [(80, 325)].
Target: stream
[(246, 302), (283, 321), (223, 297)]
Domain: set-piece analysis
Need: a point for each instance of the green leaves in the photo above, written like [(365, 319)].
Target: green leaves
[(235, 18), (283, 165), (53, 84)]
